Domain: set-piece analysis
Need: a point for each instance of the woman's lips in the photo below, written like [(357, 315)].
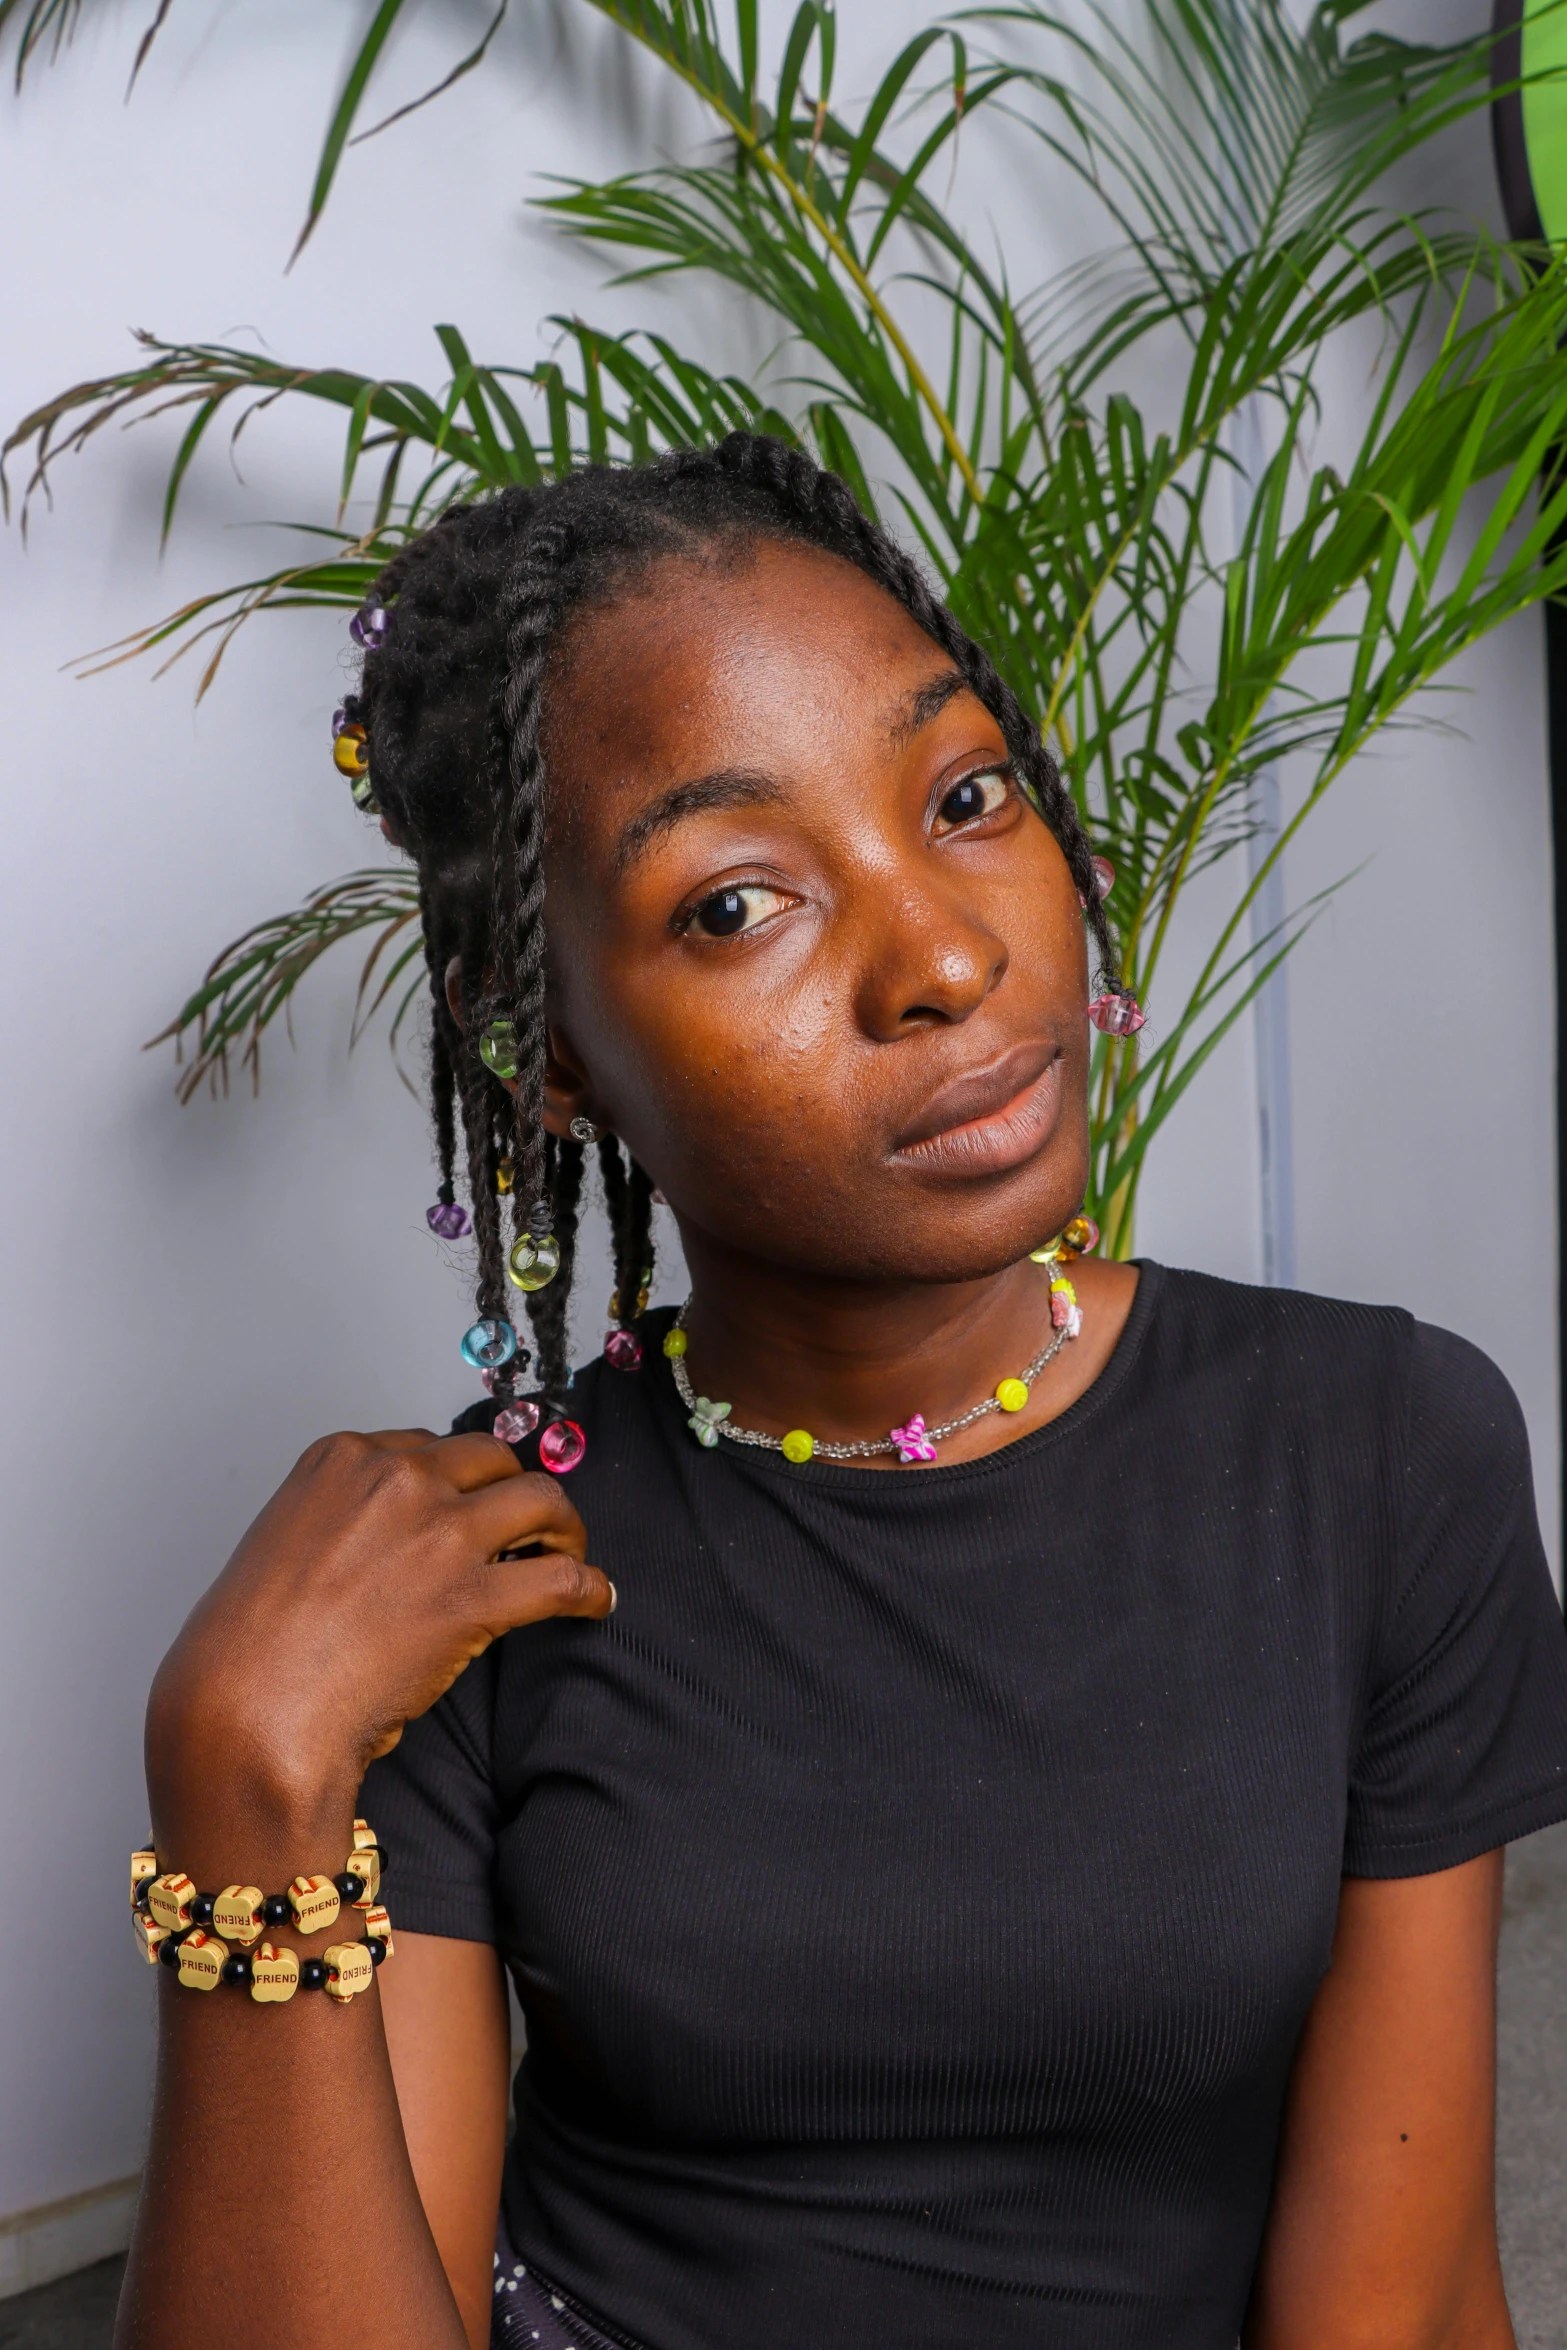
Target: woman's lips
[(988, 1122)]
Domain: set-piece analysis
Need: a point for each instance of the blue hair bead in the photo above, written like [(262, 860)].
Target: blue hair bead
[(488, 1344)]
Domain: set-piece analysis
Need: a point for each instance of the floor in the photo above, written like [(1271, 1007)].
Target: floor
[(78, 2312)]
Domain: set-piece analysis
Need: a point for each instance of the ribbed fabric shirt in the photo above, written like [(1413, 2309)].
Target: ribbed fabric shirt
[(915, 1891)]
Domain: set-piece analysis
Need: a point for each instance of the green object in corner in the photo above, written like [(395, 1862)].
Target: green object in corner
[(1545, 110)]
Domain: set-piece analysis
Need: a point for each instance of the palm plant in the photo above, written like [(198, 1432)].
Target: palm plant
[(1163, 610)]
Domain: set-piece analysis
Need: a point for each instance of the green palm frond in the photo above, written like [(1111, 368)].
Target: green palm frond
[(614, 398), (252, 981)]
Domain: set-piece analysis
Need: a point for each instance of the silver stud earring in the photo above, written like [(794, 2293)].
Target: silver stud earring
[(584, 1130)]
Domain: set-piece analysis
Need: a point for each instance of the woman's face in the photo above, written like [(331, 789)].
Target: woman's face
[(814, 958)]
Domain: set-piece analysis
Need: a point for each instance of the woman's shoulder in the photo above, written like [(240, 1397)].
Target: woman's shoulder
[(1374, 1367)]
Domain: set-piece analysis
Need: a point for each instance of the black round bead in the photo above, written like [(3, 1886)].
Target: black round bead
[(376, 1948), (144, 1893), (383, 1856), (349, 1886), (169, 1950), (237, 1969), (201, 1908), (275, 1910), (312, 1974)]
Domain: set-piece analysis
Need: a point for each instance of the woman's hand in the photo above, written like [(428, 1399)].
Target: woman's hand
[(372, 1577)]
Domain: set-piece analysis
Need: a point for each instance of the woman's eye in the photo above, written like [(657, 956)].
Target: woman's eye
[(976, 795), (729, 911)]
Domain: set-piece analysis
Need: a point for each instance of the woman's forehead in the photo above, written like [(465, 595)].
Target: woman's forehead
[(791, 657)]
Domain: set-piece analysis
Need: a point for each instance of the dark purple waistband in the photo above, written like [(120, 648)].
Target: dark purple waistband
[(532, 2313)]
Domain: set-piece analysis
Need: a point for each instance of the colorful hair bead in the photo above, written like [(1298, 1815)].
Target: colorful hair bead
[(368, 627), (447, 1220), (517, 1423), (623, 1350), (1081, 1236), (562, 1446), (498, 1049), (1117, 1014), (351, 752), (339, 721), (1104, 876), (533, 1264), (488, 1343), (505, 1176)]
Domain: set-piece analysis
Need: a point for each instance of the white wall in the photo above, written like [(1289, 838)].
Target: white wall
[(190, 1295)]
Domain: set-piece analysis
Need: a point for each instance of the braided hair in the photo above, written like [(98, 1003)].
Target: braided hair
[(466, 621)]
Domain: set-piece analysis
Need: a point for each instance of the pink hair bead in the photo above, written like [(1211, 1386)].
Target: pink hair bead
[(562, 1447), (517, 1422), (1117, 1014), (623, 1350)]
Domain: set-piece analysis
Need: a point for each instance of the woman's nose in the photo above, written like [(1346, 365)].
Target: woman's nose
[(928, 963)]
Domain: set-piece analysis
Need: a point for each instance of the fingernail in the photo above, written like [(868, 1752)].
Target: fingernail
[(614, 1596)]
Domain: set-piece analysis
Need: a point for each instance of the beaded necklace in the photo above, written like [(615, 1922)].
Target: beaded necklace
[(913, 1441)]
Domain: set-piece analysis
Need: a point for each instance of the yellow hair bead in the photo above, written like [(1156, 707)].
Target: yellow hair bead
[(674, 1344), (1012, 1395), (798, 1446), (351, 752)]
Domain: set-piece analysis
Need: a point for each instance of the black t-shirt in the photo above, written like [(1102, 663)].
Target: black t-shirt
[(916, 1889)]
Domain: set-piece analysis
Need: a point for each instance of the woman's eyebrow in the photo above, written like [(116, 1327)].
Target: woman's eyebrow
[(926, 702), (729, 788)]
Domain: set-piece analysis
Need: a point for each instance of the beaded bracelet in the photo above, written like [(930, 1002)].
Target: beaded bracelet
[(171, 1921)]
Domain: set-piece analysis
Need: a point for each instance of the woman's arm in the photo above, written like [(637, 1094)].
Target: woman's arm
[(448, 2029), (1382, 2234), (279, 2196)]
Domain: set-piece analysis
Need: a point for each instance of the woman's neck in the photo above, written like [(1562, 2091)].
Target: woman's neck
[(850, 1360)]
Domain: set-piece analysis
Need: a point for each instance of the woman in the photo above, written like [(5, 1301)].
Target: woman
[(1028, 1879)]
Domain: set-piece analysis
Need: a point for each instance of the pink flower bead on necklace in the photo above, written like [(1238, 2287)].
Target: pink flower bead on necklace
[(911, 1440)]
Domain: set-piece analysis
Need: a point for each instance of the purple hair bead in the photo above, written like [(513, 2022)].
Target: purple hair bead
[(447, 1220), (368, 627)]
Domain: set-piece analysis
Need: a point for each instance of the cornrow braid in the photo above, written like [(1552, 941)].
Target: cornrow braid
[(453, 699)]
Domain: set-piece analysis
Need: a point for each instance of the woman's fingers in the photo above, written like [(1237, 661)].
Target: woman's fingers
[(529, 1591), (524, 1508)]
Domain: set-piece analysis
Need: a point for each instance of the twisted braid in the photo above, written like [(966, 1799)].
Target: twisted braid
[(531, 613), (566, 1164), (454, 703)]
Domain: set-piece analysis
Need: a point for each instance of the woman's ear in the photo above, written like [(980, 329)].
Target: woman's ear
[(568, 1089)]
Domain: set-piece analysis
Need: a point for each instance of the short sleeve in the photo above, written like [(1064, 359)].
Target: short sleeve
[(431, 1802), (1463, 1740)]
